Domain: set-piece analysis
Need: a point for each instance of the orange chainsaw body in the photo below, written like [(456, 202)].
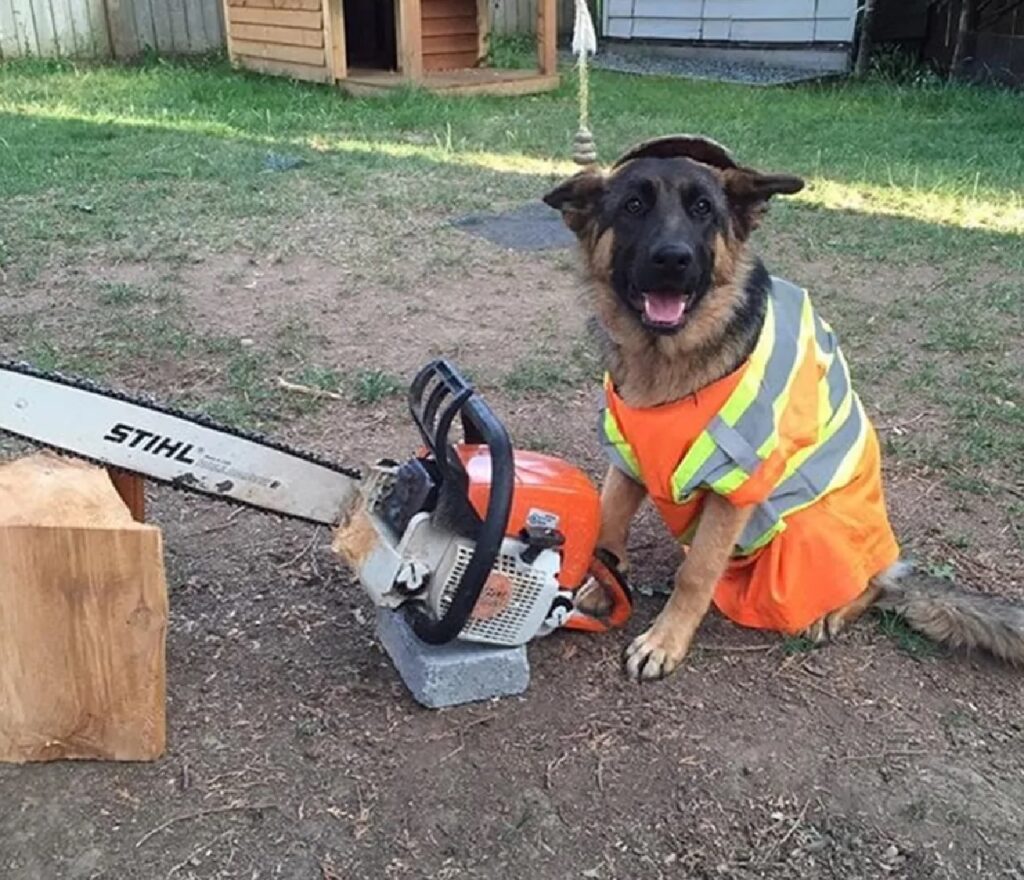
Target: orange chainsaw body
[(550, 485)]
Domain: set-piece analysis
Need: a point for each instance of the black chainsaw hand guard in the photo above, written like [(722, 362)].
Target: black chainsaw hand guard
[(437, 395)]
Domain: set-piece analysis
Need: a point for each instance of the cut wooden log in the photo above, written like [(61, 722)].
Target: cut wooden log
[(83, 618), (132, 489)]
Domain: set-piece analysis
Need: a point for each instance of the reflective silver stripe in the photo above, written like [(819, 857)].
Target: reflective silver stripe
[(758, 422), (763, 520), (737, 448), (737, 445), (824, 336), (731, 451), (838, 379), (808, 483), (818, 471), (838, 376), (716, 467)]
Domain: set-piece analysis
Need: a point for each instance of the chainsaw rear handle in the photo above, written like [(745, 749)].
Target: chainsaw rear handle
[(437, 394)]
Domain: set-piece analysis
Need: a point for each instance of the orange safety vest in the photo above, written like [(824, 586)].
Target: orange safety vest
[(786, 433)]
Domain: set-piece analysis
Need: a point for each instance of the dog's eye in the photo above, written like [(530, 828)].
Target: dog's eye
[(702, 207), (633, 205)]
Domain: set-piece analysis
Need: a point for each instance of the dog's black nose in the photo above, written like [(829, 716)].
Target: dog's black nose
[(672, 257)]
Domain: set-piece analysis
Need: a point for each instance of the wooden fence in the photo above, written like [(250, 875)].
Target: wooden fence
[(520, 16), (170, 27), (994, 47), (109, 28), (61, 27), (124, 28)]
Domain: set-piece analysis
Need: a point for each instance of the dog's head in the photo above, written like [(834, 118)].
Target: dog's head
[(667, 224)]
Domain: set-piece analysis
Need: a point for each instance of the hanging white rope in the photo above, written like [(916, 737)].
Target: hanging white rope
[(584, 37), (584, 44)]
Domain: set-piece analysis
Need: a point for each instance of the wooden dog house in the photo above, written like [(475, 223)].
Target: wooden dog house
[(366, 46)]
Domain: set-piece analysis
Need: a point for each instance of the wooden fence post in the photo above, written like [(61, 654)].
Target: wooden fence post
[(963, 27), (124, 40), (483, 29), (547, 36)]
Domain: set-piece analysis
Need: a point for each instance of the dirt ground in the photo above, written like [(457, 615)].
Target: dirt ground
[(296, 753)]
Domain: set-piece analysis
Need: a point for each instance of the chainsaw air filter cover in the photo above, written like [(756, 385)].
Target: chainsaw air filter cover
[(516, 598)]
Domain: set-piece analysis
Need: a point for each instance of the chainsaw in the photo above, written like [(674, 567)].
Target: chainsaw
[(472, 539)]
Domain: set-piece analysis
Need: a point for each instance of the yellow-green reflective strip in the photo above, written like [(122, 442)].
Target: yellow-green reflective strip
[(824, 392), (840, 477), (839, 418), (612, 432), (739, 401), (703, 448), (730, 482), (757, 422), (844, 471), (804, 341), (747, 390), (766, 538)]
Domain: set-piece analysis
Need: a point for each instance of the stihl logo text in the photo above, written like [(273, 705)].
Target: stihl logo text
[(147, 441)]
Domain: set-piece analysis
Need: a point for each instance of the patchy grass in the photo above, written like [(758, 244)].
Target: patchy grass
[(56, 357), (909, 641), (320, 378), (514, 52), (942, 570), (373, 386), (548, 370), (797, 645), (539, 374), (119, 294), (5, 255)]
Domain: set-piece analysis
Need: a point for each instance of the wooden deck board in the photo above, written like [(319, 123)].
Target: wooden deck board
[(478, 81)]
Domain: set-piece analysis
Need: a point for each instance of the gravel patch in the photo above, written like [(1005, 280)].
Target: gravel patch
[(747, 73)]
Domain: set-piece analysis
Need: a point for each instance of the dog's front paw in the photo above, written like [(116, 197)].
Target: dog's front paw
[(657, 652)]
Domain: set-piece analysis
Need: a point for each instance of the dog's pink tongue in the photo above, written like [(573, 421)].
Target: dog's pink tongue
[(664, 308)]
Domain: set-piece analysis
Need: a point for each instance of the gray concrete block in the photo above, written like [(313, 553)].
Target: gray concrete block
[(452, 674)]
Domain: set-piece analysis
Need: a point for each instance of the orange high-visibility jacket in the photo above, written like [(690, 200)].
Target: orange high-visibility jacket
[(786, 433)]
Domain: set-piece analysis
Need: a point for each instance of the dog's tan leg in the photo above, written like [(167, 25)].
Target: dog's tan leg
[(661, 649), (621, 498), (829, 626)]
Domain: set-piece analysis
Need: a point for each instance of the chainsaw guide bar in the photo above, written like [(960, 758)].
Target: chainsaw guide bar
[(187, 451)]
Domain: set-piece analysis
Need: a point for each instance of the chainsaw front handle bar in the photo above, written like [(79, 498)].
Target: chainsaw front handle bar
[(438, 394)]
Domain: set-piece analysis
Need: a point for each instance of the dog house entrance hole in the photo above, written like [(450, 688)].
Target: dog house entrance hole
[(370, 34)]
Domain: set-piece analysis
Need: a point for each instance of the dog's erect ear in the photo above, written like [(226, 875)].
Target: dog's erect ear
[(747, 185), (749, 191), (578, 199)]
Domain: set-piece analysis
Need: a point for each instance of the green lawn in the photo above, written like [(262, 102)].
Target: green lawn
[(74, 138), (911, 228)]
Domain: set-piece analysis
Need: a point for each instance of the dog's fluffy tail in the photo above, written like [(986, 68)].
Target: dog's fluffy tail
[(951, 615)]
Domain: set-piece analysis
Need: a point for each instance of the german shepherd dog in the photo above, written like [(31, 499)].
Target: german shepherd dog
[(680, 300)]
